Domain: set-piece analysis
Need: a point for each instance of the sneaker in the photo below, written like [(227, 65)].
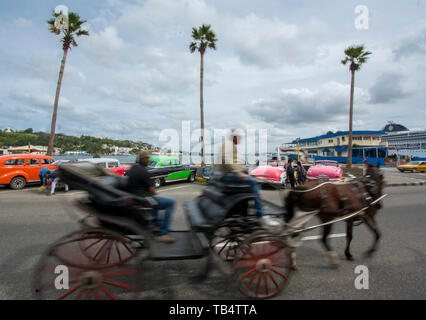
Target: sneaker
[(165, 238), (270, 223)]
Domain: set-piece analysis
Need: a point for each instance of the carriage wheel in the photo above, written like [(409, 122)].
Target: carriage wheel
[(68, 272), (262, 267), (225, 243), (105, 247)]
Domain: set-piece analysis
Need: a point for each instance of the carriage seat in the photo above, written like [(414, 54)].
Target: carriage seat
[(214, 194), (230, 188)]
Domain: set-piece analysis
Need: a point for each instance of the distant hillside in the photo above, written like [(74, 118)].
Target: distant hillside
[(89, 144)]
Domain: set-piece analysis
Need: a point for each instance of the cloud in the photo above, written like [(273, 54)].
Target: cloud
[(272, 42), (43, 104), (412, 45), (303, 106), (389, 87)]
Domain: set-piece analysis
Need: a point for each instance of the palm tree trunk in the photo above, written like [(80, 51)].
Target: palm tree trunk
[(351, 108), (203, 163), (55, 106)]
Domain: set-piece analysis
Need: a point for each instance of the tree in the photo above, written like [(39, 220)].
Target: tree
[(357, 56), (70, 31), (204, 38)]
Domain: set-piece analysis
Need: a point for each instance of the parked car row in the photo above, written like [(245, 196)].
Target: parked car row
[(17, 171)]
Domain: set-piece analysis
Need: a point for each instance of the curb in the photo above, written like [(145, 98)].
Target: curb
[(406, 184)]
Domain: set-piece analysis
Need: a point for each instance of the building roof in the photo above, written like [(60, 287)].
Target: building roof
[(341, 133)]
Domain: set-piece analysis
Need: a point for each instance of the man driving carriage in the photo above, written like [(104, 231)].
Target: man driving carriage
[(141, 183), (230, 170)]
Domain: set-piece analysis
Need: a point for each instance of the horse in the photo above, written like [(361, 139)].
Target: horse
[(333, 200)]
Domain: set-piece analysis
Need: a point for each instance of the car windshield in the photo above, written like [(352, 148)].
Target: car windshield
[(153, 164)]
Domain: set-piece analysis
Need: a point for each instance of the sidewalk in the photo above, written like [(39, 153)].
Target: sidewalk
[(393, 178)]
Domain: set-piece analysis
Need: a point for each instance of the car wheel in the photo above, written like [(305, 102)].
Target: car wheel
[(18, 183), (415, 170), (157, 182), (191, 177)]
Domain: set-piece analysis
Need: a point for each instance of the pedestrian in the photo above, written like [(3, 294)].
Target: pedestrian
[(301, 173), (141, 184), (43, 174), (290, 173), (53, 180)]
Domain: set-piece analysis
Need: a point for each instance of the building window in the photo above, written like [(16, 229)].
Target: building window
[(356, 138), (343, 138), (330, 141), (366, 138)]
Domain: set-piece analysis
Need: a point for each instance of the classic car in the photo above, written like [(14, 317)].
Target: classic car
[(169, 169), (325, 169), (413, 166), (19, 169), (268, 175), (106, 163)]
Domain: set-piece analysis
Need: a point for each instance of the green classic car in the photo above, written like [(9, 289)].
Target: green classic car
[(170, 169)]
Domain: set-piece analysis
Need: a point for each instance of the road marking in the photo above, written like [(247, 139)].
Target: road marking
[(336, 235)]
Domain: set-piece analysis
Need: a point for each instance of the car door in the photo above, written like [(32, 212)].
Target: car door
[(32, 168), (178, 171), (422, 166), (9, 169)]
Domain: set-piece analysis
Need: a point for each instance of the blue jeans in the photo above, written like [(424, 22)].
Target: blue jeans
[(250, 181), (163, 203)]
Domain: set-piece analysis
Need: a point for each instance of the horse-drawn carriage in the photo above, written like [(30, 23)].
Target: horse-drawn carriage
[(104, 259)]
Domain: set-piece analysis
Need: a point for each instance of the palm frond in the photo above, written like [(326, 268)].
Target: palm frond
[(74, 29), (204, 38)]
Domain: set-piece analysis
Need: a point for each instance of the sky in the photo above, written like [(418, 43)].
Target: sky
[(276, 68)]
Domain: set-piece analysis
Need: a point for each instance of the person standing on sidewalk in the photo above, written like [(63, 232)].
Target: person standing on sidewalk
[(290, 173)]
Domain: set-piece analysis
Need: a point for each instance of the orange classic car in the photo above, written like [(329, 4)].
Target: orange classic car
[(16, 170)]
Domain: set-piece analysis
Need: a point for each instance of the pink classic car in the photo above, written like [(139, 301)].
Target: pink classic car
[(325, 169), (270, 175)]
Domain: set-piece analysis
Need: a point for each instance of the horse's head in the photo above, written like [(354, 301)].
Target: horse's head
[(373, 180)]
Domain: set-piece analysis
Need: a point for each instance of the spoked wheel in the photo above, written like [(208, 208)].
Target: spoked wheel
[(225, 243), (70, 270), (262, 267), (106, 248)]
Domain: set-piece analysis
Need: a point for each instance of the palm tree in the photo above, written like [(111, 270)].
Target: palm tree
[(204, 38), (357, 56), (68, 39)]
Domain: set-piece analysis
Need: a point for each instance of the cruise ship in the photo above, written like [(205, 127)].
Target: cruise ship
[(405, 142)]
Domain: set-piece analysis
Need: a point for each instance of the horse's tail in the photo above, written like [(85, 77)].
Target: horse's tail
[(290, 202)]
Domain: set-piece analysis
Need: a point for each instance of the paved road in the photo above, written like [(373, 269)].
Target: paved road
[(393, 175), (29, 221)]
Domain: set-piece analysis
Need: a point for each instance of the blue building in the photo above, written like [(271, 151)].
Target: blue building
[(366, 145)]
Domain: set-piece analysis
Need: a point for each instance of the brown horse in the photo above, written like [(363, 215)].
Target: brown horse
[(335, 200)]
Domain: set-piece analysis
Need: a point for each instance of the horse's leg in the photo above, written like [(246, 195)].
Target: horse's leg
[(371, 224), (332, 255), (349, 229)]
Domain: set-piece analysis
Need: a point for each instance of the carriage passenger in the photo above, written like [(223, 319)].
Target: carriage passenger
[(233, 171), (141, 184)]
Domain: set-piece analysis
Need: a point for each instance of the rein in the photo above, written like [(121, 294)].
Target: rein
[(318, 186)]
